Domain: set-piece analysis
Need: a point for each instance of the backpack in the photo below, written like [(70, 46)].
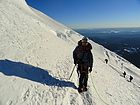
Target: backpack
[(82, 56)]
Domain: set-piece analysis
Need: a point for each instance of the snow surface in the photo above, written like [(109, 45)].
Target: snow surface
[(36, 62)]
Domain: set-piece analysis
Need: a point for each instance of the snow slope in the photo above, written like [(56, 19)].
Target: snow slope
[(36, 62)]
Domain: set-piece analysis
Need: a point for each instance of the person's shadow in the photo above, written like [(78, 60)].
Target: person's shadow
[(26, 71)]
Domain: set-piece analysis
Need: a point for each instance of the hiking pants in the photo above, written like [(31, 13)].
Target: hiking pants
[(83, 70)]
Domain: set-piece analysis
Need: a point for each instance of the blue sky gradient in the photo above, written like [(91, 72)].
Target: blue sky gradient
[(91, 13)]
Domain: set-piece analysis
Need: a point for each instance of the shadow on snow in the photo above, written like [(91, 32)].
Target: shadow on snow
[(36, 74)]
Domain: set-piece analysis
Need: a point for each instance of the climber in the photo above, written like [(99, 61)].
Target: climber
[(131, 78), (124, 74), (106, 61), (84, 59)]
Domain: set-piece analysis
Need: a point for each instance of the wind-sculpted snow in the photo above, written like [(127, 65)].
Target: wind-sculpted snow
[(36, 62)]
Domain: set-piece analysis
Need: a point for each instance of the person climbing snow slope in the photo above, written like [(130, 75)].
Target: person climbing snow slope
[(84, 59)]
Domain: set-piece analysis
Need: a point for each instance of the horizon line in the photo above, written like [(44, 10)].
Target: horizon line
[(103, 28)]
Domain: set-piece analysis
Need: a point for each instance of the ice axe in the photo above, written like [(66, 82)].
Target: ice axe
[(72, 71)]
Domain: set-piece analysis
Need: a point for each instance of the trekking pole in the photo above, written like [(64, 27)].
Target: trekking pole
[(72, 71)]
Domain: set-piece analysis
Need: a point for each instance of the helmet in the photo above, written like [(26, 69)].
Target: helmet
[(85, 39)]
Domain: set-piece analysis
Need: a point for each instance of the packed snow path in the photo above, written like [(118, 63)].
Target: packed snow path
[(36, 62)]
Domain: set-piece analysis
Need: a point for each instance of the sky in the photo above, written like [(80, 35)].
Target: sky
[(91, 13)]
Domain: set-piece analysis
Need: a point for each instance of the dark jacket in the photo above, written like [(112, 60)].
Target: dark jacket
[(83, 54)]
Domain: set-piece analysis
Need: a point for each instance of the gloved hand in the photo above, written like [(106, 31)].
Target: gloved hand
[(90, 69), (75, 62)]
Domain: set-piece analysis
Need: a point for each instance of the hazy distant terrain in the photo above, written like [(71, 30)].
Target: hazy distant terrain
[(123, 41)]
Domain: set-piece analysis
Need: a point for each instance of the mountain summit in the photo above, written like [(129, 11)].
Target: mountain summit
[(36, 62)]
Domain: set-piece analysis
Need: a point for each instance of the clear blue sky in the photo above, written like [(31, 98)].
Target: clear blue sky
[(91, 13)]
